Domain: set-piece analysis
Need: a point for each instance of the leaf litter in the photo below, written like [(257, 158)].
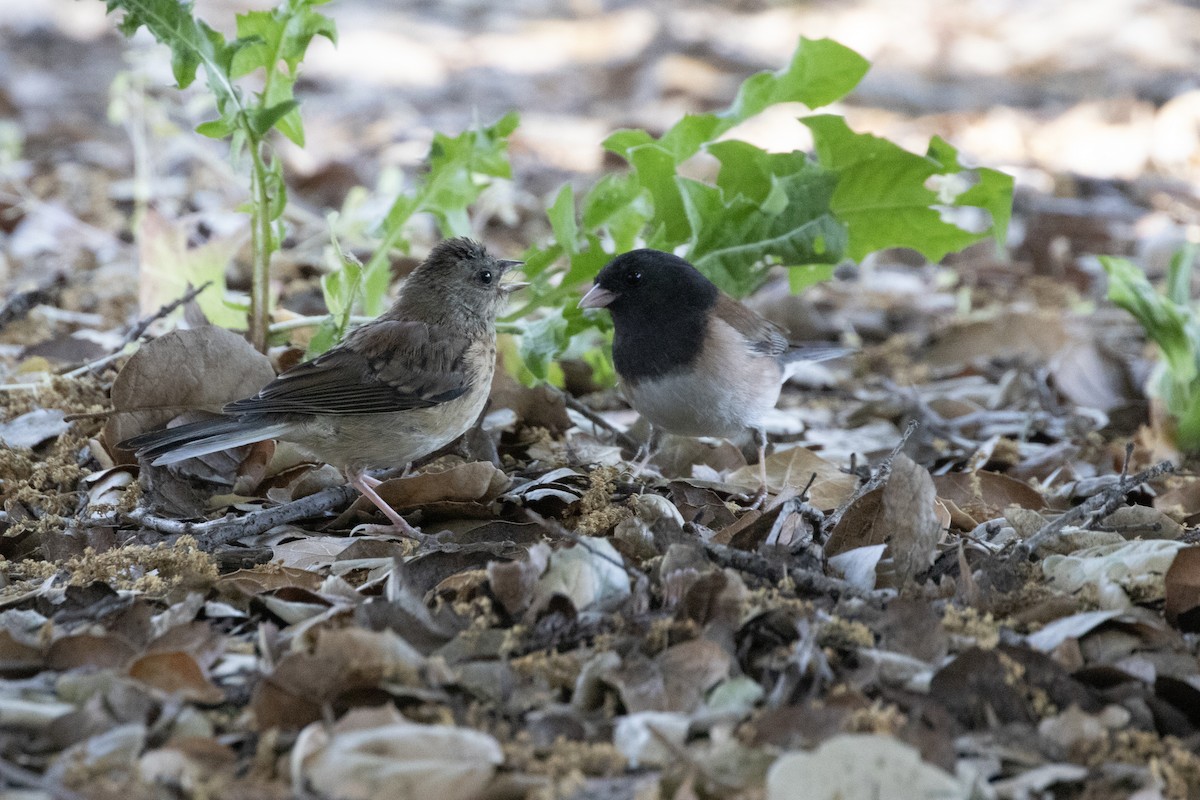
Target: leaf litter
[(579, 630)]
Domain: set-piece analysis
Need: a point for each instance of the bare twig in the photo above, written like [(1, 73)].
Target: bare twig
[(143, 324), (1097, 506), (213, 533), (624, 439), (807, 581), (874, 482), (21, 303)]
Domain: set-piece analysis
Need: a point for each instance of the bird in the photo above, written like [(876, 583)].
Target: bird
[(692, 360), (394, 390)]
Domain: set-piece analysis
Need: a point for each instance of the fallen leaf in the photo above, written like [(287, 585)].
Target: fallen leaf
[(181, 371), (32, 428), (402, 761), (860, 767), (793, 468), (908, 504), (176, 673), (1182, 586), (588, 573)]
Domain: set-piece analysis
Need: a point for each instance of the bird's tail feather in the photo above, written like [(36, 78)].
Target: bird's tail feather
[(816, 351), (171, 445)]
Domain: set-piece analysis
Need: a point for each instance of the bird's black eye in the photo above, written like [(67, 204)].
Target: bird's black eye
[(485, 277), (633, 278)]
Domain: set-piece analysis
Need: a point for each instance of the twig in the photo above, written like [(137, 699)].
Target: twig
[(624, 439), (310, 322), (216, 532), (21, 303), (806, 580), (874, 482), (143, 324), (1097, 506)]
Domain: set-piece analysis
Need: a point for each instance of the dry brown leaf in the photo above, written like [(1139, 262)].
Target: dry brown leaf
[(793, 468), (472, 481), (984, 495), (181, 371), (861, 526), (689, 670), (1183, 590), (251, 582), (343, 660), (908, 507), (85, 650), (1004, 333), (176, 672)]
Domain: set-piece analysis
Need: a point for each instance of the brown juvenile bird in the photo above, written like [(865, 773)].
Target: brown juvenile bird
[(396, 389), (693, 361)]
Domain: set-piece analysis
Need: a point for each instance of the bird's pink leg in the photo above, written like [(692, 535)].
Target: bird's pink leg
[(366, 484), (761, 494)]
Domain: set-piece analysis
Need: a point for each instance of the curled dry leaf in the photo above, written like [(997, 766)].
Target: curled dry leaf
[(908, 507), (203, 368), (397, 760), (588, 573), (1117, 575)]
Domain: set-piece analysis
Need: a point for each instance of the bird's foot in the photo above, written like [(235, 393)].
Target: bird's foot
[(366, 484), (390, 529)]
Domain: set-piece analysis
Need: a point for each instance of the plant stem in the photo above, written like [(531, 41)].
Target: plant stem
[(262, 245)]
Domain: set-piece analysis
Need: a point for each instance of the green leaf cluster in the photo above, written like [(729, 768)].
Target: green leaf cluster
[(460, 168), (272, 42), (1172, 321), (858, 194)]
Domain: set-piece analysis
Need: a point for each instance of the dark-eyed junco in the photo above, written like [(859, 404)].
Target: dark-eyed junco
[(398, 388), (692, 360)]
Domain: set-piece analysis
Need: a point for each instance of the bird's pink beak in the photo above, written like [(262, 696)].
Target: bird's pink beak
[(597, 297)]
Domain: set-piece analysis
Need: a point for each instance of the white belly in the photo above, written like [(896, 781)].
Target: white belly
[(687, 405)]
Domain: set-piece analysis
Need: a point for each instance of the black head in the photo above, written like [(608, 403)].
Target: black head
[(459, 275), (659, 305), (642, 283)]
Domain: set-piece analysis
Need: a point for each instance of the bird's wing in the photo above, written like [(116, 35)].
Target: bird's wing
[(762, 337), (384, 366)]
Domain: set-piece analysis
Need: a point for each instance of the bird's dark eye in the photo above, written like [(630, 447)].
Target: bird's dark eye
[(485, 277), (633, 278)]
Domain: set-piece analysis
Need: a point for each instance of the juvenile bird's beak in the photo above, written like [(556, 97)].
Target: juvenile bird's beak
[(508, 287), (597, 297)]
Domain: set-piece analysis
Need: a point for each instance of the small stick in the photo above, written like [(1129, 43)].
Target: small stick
[(1098, 506), (21, 303), (624, 439), (143, 324), (874, 482), (213, 533)]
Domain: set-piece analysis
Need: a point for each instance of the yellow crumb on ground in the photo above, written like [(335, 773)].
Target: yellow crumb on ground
[(967, 621), (153, 569), (597, 514)]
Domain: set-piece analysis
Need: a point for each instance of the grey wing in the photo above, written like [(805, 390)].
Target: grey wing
[(762, 337), (384, 366)]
